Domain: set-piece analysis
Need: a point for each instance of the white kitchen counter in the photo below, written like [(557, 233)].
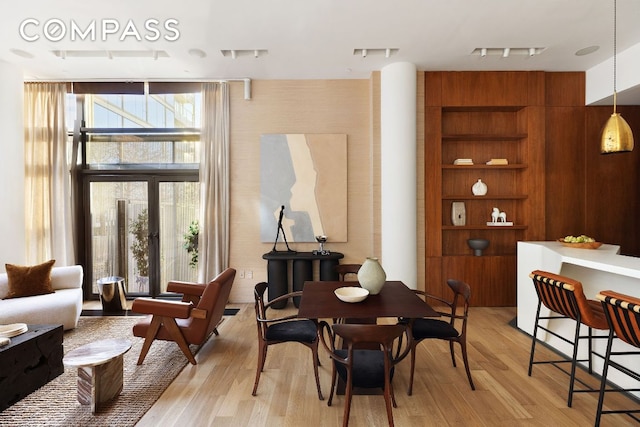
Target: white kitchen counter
[(598, 269)]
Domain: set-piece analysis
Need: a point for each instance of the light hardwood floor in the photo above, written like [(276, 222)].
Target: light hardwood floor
[(217, 391)]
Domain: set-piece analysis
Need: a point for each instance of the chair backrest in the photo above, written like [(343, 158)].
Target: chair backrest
[(461, 293), (558, 293), (623, 315), (262, 318), (356, 335), (213, 301), (345, 269), (261, 311)]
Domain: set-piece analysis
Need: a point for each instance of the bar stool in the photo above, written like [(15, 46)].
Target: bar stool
[(623, 316), (564, 297)]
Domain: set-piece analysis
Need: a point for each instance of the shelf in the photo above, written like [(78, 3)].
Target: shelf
[(484, 137), (483, 227), (491, 197), (485, 166)]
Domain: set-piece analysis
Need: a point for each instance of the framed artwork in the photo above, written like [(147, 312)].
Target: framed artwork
[(307, 174)]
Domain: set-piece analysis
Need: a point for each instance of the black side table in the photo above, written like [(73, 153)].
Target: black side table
[(302, 271)]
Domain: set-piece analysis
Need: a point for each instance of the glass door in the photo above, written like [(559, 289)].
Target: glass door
[(144, 229)]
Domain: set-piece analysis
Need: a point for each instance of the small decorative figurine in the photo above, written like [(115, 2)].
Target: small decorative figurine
[(321, 251), (499, 218)]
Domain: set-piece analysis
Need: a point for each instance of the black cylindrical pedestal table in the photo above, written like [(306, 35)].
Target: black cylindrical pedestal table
[(302, 271)]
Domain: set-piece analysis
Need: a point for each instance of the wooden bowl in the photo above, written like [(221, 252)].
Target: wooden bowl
[(584, 245)]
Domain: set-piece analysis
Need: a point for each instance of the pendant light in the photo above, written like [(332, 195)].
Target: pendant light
[(616, 136)]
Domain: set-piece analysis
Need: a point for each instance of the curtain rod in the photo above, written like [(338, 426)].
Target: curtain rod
[(245, 80)]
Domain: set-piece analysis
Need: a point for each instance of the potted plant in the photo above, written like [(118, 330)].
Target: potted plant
[(191, 243), (139, 228)]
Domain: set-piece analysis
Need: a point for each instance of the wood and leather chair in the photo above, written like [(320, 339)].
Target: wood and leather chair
[(565, 299), (358, 365), (454, 329), (623, 316), (190, 321), (275, 330), (347, 271)]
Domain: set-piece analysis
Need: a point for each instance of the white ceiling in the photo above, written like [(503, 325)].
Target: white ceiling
[(312, 39)]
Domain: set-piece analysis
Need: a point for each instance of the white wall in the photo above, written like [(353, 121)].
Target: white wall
[(599, 79), (12, 248)]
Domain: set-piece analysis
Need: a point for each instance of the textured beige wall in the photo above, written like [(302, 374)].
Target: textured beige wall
[(298, 106)]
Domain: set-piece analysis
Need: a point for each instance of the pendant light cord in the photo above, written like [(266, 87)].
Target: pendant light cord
[(615, 92)]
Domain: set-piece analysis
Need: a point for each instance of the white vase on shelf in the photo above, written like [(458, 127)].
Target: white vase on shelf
[(479, 188), (371, 276)]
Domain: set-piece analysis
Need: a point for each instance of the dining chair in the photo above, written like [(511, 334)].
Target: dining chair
[(453, 330), (190, 321), (275, 330), (565, 299), (364, 367), (623, 316), (347, 270)]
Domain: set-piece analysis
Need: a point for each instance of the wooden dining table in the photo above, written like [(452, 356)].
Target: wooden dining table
[(394, 300)]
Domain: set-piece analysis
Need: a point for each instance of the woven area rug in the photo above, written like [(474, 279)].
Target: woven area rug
[(56, 404)]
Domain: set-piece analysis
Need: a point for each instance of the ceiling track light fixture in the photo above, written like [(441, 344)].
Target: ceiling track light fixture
[(616, 135), (237, 53), (507, 52), (386, 52)]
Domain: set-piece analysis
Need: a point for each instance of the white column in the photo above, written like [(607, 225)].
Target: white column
[(398, 172), (12, 251)]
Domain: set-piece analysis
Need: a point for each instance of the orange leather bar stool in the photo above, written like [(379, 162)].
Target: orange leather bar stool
[(565, 298), (623, 315)]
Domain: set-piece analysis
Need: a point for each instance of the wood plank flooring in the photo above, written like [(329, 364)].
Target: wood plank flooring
[(217, 391)]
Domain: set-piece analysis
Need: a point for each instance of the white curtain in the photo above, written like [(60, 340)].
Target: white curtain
[(48, 201), (213, 241)]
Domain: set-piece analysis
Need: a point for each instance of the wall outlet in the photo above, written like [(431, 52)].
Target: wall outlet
[(249, 274)]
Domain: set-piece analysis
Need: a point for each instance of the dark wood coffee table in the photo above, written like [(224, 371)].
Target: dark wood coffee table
[(31, 360)]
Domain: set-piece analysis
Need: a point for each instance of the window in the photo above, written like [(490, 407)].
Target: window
[(138, 181)]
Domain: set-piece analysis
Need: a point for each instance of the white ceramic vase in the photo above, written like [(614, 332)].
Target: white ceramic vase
[(479, 188), (371, 276)]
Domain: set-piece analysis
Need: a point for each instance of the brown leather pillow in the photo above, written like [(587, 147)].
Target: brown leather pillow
[(29, 281)]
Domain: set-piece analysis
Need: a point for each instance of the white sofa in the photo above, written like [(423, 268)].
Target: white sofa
[(61, 307)]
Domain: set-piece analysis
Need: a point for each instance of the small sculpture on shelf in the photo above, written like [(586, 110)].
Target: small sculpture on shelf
[(284, 236), (321, 250), (499, 218)]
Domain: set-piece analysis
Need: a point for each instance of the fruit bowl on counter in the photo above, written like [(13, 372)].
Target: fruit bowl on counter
[(580, 242)]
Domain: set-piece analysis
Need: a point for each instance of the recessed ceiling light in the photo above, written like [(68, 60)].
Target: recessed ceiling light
[(587, 50), (22, 53), (198, 53)]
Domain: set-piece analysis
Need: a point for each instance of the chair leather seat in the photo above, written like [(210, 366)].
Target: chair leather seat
[(295, 330), (431, 328), (368, 368)]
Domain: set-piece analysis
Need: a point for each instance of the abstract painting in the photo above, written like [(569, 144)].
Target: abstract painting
[(307, 174)]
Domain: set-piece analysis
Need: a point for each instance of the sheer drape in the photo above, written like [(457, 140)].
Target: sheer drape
[(48, 202), (213, 241)]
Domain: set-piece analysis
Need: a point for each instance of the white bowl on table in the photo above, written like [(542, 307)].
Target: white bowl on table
[(351, 294)]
